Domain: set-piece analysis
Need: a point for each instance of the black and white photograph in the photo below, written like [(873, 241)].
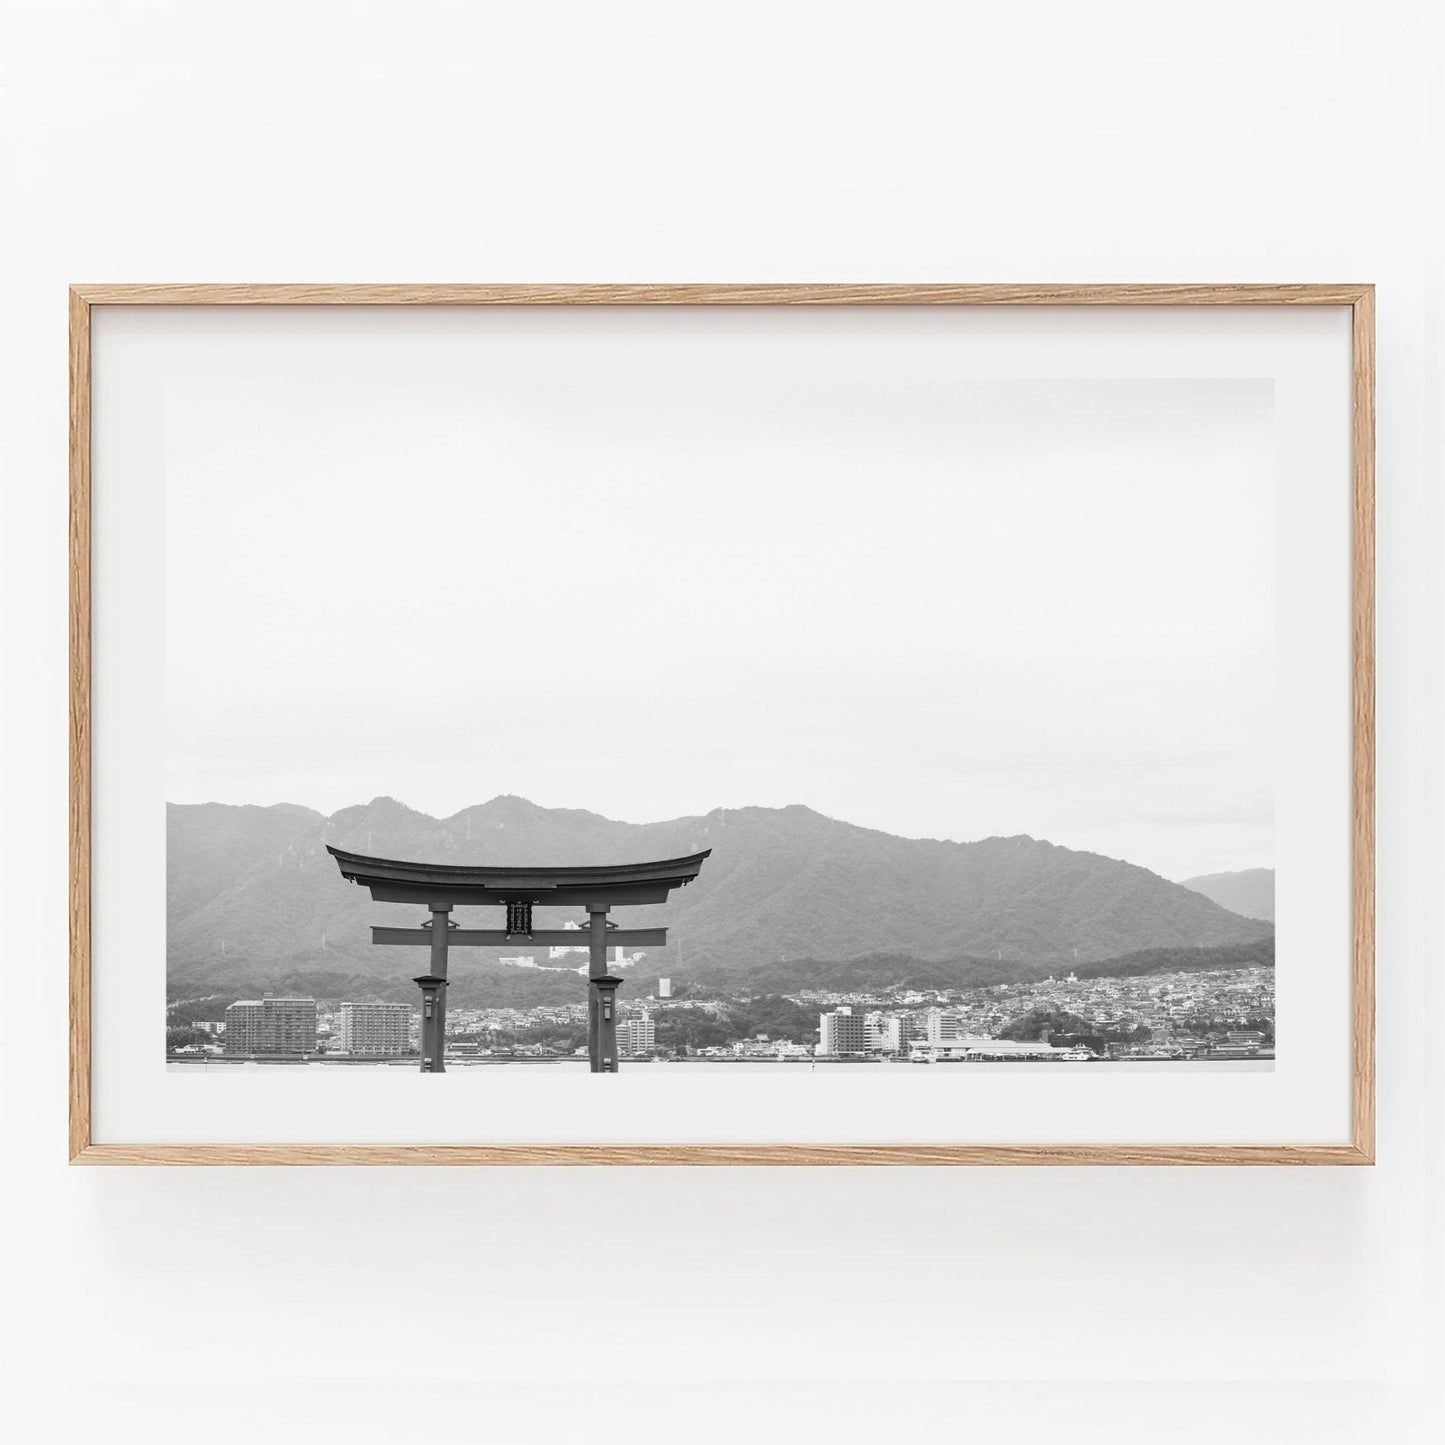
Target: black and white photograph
[(637, 718)]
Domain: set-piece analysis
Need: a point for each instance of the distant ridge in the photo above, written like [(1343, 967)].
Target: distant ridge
[(1250, 892), (253, 895), (879, 972)]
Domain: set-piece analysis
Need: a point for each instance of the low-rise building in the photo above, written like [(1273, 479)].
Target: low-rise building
[(985, 1050)]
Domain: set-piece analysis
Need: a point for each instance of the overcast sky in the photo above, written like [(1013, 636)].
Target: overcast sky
[(942, 608)]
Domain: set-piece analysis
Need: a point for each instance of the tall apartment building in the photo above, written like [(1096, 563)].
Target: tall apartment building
[(873, 1031), (887, 1033), (375, 1028), (271, 1026), (636, 1035), (842, 1032), (943, 1026), (894, 1033)]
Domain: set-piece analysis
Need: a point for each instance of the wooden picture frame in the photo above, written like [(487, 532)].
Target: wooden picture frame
[(83, 301)]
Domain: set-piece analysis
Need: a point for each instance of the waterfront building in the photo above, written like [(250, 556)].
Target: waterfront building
[(842, 1032), (760, 1046), (636, 1035), (375, 1028), (873, 1032), (926, 1051), (886, 1033), (271, 1026), (895, 1033), (787, 1049), (943, 1025)]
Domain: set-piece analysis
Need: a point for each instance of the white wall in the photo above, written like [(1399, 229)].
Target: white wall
[(423, 141)]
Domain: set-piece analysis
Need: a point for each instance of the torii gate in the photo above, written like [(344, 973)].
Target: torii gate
[(440, 887)]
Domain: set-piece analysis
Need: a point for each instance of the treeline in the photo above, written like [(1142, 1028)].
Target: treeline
[(879, 973), (773, 1015), (183, 1036), (200, 1010), (1182, 960), (874, 973), (1067, 1030)]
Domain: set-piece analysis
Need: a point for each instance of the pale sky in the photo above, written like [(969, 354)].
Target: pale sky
[(939, 607)]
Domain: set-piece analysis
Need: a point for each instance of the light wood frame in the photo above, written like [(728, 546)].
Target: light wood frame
[(1359, 298)]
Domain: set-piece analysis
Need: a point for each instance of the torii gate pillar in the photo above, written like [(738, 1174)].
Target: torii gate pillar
[(602, 1022), (433, 1023), (434, 994), (597, 969)]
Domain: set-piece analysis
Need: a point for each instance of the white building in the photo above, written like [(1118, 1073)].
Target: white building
[(943, 1025), (636, 1035), (375, 1028), (618, 956), (895, 1031), (555, 953), (886, 1033), (926, 1051)]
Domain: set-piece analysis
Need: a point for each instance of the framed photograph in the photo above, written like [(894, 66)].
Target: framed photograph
[(919, 724)]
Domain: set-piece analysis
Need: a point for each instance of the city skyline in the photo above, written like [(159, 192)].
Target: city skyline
[(1220, 1016)]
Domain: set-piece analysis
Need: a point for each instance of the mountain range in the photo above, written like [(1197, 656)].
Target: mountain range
[(1249, 892), (254, 901)]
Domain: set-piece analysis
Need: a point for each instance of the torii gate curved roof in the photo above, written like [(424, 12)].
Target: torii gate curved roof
[(607, 885)]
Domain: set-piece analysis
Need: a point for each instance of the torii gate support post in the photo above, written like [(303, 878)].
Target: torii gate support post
[(433, 991), (434, 996), (604, 1020), (601, 1056)]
